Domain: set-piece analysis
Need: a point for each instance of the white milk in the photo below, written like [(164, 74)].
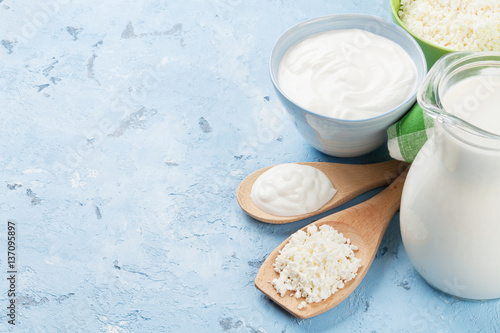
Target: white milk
[(450, 210), (347, 74), (476, 100)]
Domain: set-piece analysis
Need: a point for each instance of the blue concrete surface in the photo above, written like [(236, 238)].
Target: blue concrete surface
[(125, 130)]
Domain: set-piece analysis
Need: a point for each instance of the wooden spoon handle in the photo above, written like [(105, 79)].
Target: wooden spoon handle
[(375, 213), (389, 200), (359, 178)]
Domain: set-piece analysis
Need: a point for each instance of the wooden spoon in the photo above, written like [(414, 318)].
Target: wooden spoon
[(350, 180), (364, 225)]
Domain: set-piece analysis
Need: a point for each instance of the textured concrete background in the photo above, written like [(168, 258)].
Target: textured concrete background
[(126, 128)]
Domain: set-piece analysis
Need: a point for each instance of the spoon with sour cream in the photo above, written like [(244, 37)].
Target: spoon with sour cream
[(364, 225), (348, 180)]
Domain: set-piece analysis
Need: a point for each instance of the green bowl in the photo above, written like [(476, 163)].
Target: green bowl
[(432, 51)]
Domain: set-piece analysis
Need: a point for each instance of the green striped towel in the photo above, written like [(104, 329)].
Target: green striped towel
[(408, 135)]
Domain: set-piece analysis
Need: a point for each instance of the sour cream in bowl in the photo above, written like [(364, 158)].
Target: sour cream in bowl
[(345, 79)]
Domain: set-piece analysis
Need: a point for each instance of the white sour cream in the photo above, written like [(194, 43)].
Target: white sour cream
[(347, 74), (292, 189)]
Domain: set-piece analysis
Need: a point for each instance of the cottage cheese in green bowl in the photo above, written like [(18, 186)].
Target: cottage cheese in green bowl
[(441, 27)]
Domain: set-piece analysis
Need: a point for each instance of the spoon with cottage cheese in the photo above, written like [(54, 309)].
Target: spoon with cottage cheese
[(294, 191), (320, 265)]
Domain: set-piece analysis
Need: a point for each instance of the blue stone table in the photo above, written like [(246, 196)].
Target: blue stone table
[(125, 129)]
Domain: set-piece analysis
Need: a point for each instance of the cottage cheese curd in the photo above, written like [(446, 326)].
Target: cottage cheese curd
[(315, 264), (347, 74), (292, 189), (467, 25)]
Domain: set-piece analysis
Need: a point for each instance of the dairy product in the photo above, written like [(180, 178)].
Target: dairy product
[(476, 100), (468, 25), (292, 189), (449, 211), (315, 264), (347, 74)]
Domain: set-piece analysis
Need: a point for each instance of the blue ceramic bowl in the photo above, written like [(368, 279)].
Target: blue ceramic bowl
[(338, 137)]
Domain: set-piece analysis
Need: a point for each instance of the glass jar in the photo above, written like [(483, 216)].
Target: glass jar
[(450, 209)]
